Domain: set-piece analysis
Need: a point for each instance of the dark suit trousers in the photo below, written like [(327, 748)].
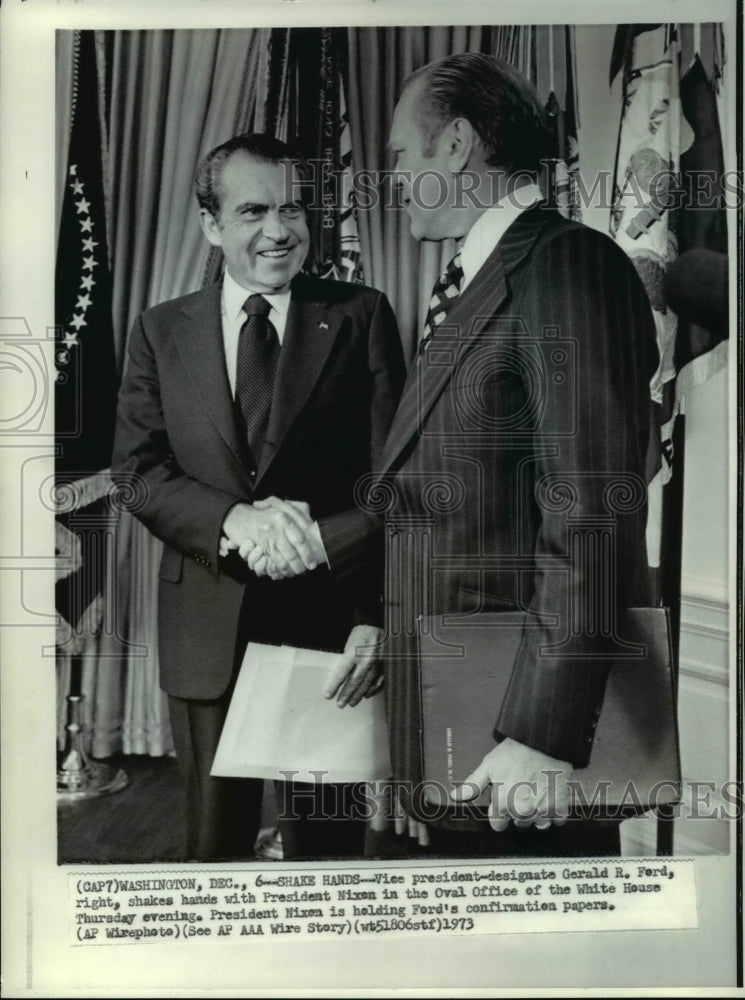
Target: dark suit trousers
[(222, 814), (320, 821)]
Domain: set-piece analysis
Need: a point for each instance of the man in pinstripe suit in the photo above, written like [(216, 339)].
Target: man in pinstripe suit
[(524, 415), (528, 405)]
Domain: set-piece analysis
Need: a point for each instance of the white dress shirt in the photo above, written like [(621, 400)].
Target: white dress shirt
[(233, 318), (489, 228)]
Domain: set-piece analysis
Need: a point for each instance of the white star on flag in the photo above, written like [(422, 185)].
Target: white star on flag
[(89, 263), (70, 339), (77, 188), (86, 225), (73, 169), (77, 322), (86, 282), (89, 244), (83, 302), (83, 206)]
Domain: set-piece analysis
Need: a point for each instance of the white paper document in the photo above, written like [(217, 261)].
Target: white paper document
[(279, 721)]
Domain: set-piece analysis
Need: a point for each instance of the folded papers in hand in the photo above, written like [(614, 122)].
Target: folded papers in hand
[(280, 725)]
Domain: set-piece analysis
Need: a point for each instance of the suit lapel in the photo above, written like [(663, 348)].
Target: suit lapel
[(309, 335), (200, 345), (475, 308)]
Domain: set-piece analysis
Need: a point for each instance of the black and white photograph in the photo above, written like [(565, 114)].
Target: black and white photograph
[(372, 546)]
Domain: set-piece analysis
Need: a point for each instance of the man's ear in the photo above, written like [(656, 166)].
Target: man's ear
[(210, 227), (461, 141)]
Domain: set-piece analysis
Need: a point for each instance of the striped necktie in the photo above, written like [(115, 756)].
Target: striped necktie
[(258, 356), (444, 294)]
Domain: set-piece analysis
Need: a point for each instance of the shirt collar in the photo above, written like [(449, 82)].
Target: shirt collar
[(234, 296), (490, 227)]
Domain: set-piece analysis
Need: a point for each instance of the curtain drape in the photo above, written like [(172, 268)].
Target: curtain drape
[(174, 96), (63, 114)]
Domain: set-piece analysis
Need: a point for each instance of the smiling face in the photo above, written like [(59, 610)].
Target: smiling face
[(261, 225)]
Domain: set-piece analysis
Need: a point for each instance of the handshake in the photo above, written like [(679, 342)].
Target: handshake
[(276, 538)]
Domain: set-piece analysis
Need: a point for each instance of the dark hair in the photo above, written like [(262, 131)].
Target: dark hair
[(499, 102), (256, 144)]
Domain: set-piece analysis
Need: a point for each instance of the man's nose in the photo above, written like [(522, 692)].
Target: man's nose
[(275, 228)]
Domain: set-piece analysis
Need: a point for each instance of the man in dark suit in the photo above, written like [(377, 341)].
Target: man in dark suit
[(270, 384), (513, 471)]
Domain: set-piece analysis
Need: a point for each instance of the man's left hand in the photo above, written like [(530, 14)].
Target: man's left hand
[(528, 787), (358, 673)]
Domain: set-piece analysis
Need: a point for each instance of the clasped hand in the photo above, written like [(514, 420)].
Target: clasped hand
[(276, 538)]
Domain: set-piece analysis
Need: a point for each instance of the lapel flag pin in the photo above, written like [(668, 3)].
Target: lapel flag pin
[(323, 326)]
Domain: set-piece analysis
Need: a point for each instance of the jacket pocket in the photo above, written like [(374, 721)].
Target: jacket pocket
[(171, 565)]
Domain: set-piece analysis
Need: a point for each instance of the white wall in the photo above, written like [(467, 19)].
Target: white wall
[(703, 703), (705, 543), (704, 628)]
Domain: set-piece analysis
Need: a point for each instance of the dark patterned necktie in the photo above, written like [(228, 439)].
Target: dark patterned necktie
[(444, 294), (258, 355)]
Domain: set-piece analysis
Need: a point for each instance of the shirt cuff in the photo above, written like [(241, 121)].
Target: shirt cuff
[(315, 535)]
